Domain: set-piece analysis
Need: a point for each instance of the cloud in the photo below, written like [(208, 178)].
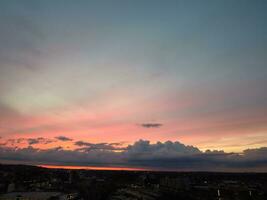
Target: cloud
[(82, 143), (30, 141), (39, 140), (143, 149), (151, 125), (160, 156), (256, 154), (98, 146), (63, 138), (57, 155)]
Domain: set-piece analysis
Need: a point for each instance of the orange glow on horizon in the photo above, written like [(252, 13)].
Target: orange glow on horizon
[(93, 168)]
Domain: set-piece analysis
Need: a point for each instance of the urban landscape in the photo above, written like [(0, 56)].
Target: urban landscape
[(22, 182)]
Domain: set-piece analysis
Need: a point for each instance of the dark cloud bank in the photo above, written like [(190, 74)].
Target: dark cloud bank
[(160, 156)]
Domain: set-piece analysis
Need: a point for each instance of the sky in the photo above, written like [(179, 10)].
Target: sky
[(137, 83)]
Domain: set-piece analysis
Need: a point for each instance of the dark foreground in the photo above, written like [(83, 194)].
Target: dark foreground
[(20, 182)]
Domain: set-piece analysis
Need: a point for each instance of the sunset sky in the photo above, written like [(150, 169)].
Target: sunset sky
[(113, 78)]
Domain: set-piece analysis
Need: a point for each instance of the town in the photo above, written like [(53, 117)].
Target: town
[(22, 182)]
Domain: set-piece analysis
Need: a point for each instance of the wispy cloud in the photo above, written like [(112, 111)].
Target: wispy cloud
[(86, 146), (39, 140), (29, 141), (63, 138)]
